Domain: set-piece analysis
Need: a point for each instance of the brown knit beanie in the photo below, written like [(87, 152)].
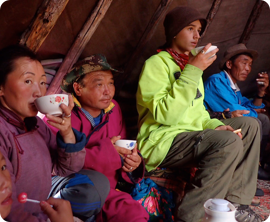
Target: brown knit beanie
[(179, 18)]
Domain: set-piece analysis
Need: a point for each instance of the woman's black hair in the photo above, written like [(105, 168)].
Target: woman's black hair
[(9, 55)]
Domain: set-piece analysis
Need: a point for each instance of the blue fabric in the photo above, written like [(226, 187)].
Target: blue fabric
[(158, 201), (69, 147), (122, 160), (78, 179), (143, 188), (84, 207), (219, 96), (98, 119), (94, 121)]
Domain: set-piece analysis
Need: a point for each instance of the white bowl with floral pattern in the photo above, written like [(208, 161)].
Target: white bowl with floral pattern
[(50, 104)]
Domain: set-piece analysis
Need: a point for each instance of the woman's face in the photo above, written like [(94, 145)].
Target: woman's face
[(24, 84), (5, 188)]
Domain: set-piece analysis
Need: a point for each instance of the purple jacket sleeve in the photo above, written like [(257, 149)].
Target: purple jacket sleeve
[(67, 158), (20, 215)]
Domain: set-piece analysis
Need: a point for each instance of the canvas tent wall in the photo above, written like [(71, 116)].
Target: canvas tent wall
[(129, 31)]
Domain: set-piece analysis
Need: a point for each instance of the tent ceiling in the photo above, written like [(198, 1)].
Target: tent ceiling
[(123, 25)]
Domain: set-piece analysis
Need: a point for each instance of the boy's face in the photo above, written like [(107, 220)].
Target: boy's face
[(5, 188), (187, 38)]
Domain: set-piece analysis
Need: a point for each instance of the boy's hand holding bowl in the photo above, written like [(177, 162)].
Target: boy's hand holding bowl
[(195, 51), (202, 57)]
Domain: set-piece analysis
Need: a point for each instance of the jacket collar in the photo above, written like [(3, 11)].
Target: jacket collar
[(233, 85), (28, 124), (11, 117)]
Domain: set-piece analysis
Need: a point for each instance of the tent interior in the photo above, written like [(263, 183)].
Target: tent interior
[(129, 32)]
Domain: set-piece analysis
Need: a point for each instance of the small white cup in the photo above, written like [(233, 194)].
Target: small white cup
[(50, 104), (128, 144), (195, 51)]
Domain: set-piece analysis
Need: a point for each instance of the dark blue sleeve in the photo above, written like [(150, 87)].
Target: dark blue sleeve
[(137, 174), (70, 147), (249, 104), (122, 160)]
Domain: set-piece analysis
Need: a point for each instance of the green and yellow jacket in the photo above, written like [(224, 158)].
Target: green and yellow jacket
[(169, 102)]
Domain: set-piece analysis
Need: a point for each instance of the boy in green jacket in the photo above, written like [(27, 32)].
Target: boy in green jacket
[(176, 131)]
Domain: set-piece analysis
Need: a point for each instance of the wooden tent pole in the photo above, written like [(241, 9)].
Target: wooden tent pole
[(147, 35), (211, 14), (45, 20), (78, 46), (255, 14)]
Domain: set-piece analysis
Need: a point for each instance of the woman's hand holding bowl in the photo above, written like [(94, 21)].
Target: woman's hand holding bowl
[(63, 123)]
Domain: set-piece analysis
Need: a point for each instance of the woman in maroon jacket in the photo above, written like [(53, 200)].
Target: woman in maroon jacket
[(31, 150)]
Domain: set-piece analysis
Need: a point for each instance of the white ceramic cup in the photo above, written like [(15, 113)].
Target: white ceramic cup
[(50, 104), (195, 51), (218, 210), (220, 205), (128, 144)]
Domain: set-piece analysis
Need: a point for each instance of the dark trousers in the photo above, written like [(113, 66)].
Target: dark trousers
[(264, 128), (86, 191), (227, 166)]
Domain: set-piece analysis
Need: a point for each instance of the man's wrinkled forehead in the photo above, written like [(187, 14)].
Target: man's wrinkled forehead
[(243, 58), (98, 75)]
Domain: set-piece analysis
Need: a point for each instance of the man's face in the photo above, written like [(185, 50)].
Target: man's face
[(96, 91), (240, 68)]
